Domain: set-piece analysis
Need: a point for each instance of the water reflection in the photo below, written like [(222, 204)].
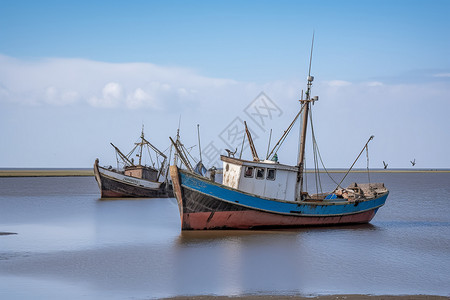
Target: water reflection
[(134, 248), (136, 220), (210, 236)]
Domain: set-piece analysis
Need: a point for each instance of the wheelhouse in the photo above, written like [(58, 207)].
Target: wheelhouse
[(266, 178)]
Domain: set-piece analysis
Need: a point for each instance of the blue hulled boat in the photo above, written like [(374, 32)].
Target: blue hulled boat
[(267, 194)]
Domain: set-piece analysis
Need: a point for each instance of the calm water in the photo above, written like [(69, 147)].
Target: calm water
[(72, 245)]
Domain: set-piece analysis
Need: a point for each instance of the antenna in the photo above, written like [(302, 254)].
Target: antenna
[(179, 124), (310, 57), (304, 124)]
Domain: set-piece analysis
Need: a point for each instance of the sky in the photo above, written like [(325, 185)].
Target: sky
[(77, 75)]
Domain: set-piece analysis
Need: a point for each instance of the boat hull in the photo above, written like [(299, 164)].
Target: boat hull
[(206, 205), (116, 185)]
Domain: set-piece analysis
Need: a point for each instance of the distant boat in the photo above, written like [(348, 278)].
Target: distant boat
[(266, 194), (134, 180)]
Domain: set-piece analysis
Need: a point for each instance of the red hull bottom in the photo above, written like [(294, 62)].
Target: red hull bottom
[(112, 194), (256, 219)]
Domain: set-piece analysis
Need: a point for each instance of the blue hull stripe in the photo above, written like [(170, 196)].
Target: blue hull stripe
[(325, 208)]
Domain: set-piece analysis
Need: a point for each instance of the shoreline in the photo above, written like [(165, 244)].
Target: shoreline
[(322, 297), (46, 173), (90, 172)]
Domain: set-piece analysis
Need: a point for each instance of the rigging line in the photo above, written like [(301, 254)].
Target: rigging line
[(242, 148), (188, 151), (316, 169), (286, 132), (367, 154), (151, 159), (326, 170), (165, 150), (321, 161), (314, 156), (134, 148), (168, 165), (320, 156), (371, 137), (315, 150), (305, 175)]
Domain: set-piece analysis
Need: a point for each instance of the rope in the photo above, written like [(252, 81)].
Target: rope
[(316, 162), (367, 154), (317, 154), (339, 184), (285, 134), (151, 159)]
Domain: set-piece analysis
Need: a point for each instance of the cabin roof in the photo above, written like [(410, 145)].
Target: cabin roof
[(260, 164)]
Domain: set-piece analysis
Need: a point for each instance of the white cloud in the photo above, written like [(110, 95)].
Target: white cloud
[(339, 83), (374, 83), (139, 98), (112, 91), (112, 94), (59, 98), (346, 115), (62, 82)]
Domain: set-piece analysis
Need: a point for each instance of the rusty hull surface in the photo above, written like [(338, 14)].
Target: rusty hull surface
[(112, 188), (200, 211)]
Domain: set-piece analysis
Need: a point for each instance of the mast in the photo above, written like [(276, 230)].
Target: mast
[(305, 107), (268, 145), (250, 141), (177, 140), (141, 144), (199, 147), (177, 145)]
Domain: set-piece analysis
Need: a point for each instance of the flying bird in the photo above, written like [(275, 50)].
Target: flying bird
[(413, 162), (385, 165)]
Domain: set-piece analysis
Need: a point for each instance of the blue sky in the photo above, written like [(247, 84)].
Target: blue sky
[(76, 75)]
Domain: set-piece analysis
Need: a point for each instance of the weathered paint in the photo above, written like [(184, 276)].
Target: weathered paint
[(207, 205), (115, 185), (232, 174), (251, 219), (282, 187)]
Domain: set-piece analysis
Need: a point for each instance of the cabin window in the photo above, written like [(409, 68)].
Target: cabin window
[(227, 167), (270, 174), (248, 172), (260, 173)]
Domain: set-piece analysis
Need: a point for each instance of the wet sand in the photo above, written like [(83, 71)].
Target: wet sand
[(327, 297), (46, 173)]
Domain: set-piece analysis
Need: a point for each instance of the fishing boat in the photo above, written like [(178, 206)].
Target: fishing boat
[(267, 194), (134, 179)]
